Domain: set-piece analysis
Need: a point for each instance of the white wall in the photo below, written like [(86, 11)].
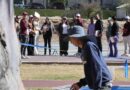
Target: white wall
[(120, 12)]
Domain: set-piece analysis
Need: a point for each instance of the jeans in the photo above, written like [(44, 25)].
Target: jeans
[(113, 49), (47, 40), (23, 39), (99, 43), (126, 40)]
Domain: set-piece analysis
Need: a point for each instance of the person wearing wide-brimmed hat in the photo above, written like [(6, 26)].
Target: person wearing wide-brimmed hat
[(97, 75), (36, 24)]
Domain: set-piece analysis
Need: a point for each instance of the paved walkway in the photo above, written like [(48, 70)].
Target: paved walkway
[(57, 83), (69, 60)]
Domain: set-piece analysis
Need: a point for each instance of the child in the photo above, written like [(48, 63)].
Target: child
[(97, 75)]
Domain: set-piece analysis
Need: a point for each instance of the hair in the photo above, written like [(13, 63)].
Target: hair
[(114, 18)]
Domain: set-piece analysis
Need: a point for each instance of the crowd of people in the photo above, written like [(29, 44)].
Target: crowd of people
[(29, 28)]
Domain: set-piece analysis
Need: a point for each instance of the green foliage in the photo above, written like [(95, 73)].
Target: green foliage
[(108, 13), (86, 13), (42, 12)]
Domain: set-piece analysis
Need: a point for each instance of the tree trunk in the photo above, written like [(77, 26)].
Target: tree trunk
[(9, 49)]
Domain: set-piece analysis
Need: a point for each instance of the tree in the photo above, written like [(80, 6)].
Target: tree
[(9, 49)]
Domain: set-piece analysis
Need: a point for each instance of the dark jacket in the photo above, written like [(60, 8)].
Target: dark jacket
[(60, 29), (126, 30), (99, 26), (114, 29), (95, 68), (23, 27), (48, 33)]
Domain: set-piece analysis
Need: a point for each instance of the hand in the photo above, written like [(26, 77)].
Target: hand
[(74, 87)]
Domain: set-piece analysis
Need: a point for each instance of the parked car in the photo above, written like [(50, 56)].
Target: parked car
[(58, 5), (35, 6)]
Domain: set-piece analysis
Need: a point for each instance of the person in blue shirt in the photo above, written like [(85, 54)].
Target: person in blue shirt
[(97, 75)]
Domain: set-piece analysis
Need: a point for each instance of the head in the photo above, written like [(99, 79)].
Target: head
[(127, 18), (17, 19), (91, 20), (24, 14), (76, 36), (78, 16), (76, 41), (31, 18), (97, 17), (64, 19), (114, 19), (36, 16), (109, 20), (47, 20)]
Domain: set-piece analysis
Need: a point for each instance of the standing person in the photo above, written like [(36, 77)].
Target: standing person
[(98, 31), (47, 29), (37, 28), (91, 28), (108, 31), (97, 75), (31, 35), (23, 35), (114, 38), (78, 21), (126, 35), (17, 25), (63, 33)]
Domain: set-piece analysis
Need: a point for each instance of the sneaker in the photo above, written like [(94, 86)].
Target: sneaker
[(125, 54)]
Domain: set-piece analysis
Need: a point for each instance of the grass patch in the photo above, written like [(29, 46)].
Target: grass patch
[(51, 72), (120, 76), (60, 72)]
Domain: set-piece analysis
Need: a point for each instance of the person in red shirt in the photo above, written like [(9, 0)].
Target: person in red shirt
[(126, 35), (24, 33)]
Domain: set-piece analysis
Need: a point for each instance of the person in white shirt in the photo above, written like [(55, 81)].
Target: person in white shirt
[(63, 33), (37, 31)]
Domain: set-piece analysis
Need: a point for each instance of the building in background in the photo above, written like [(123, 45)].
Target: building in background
[(122, 11)]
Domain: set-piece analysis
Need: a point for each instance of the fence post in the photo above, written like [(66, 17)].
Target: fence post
[(126, 68)]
